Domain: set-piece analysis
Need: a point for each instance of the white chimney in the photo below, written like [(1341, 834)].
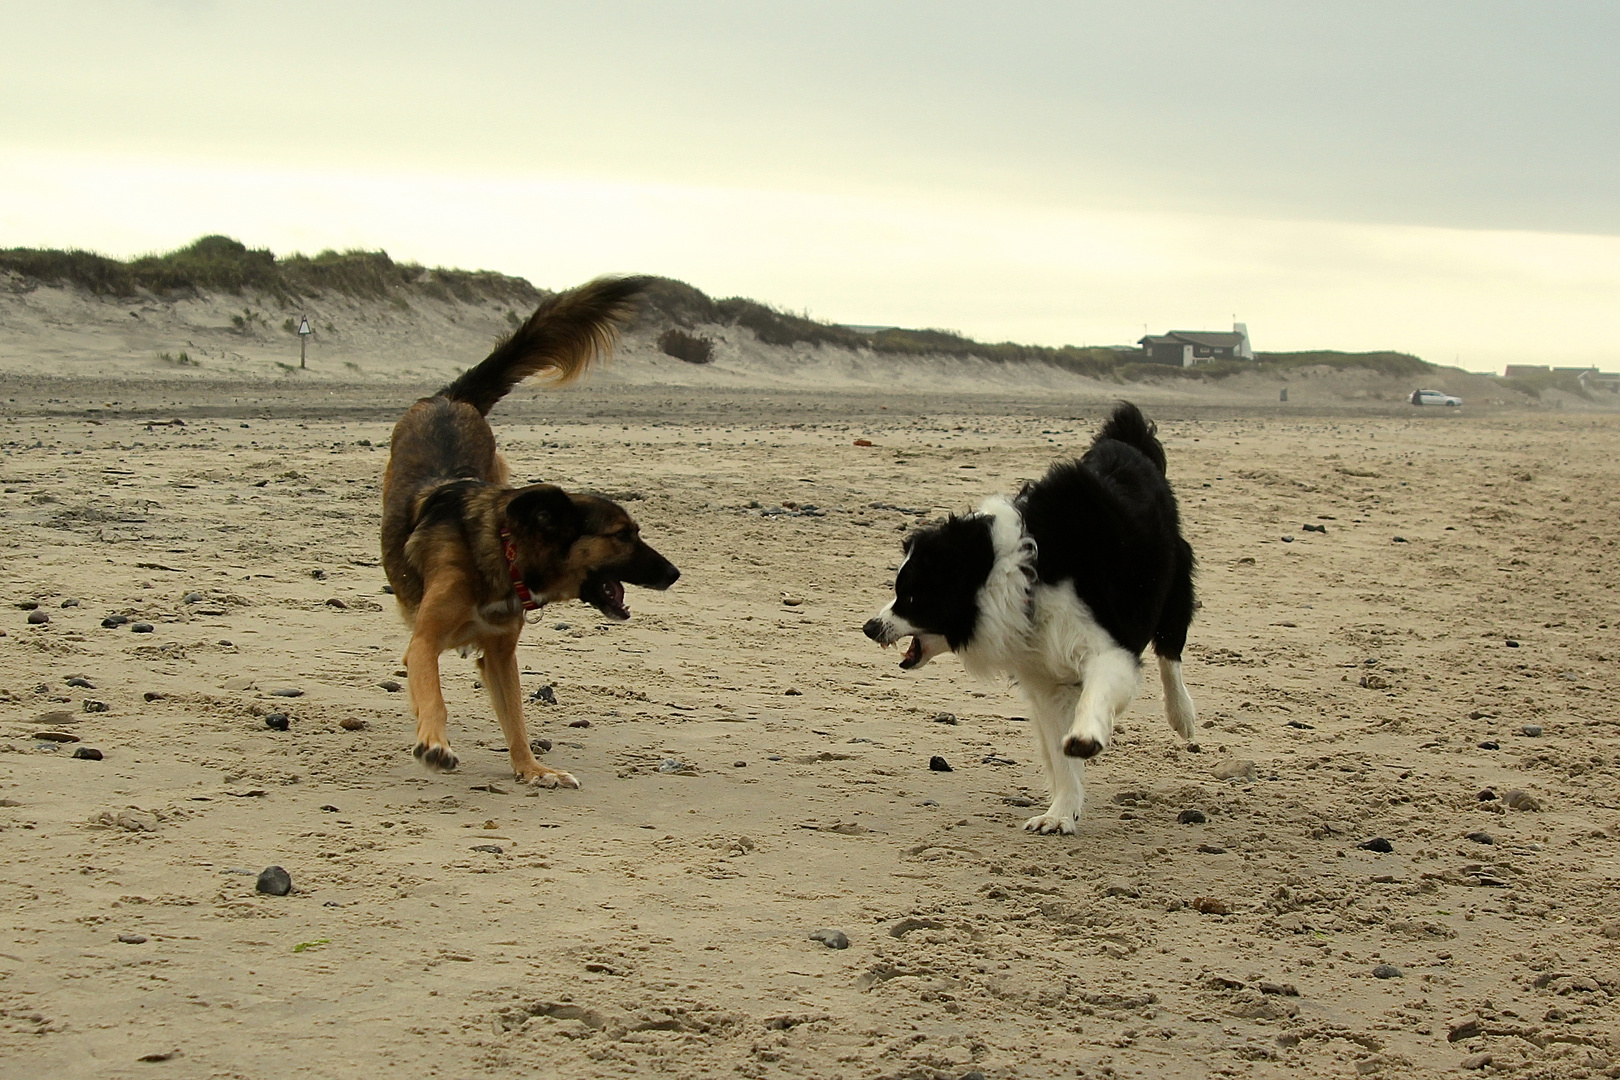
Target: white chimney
[(1242, 329)]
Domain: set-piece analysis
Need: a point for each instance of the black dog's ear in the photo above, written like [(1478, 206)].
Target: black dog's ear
[(547, 510)]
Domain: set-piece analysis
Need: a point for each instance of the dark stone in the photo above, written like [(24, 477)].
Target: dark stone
[(1490, 744), (540, 746), (87, 753), (1532, 730), (1487, 795), (1512, 644), (492, 849), (1302, 725), (1482, 838), (132, 939), (38, 618), (833, 939), (1191, 817), (28, 605), (1400, 540), (329, 808), (945, 718), (391, 686), (92, 705), (1378, 844), (141, 628), (1388, 971), (579, 723), (115, 620), (739, 764), (545, 695), (287, 691), (388, 589), (81, 682), (274, 881), (1288, 539), (939, 764), (193, 598), (1211, 849), (277, 721), (334, 602)]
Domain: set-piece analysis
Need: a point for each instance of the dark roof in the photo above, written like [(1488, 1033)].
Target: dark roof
[(1214, 339)]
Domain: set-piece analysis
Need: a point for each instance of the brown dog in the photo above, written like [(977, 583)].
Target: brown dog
[(467, 555)]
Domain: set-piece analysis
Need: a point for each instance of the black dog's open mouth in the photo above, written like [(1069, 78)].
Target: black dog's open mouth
[(607, 596), (914, 654)]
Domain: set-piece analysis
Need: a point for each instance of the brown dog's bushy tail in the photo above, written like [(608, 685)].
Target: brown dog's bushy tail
[(564, 336)]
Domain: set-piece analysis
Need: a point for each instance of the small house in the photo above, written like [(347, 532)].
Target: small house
[(1187, 348)]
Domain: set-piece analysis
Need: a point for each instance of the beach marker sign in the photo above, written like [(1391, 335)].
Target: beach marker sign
[(303, 337)]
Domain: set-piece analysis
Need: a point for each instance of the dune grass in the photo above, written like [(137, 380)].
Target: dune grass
[(221, 264)]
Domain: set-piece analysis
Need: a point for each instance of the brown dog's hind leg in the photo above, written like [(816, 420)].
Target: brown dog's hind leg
[(438, 616), (500, 670)]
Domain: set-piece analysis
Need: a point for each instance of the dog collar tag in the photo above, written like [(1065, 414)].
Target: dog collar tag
[(509, 549)]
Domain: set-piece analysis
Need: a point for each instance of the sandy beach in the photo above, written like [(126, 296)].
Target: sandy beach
[(1408, 635)]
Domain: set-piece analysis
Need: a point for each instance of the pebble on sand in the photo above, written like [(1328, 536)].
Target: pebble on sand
[(391, 686), (132, 939), (579, 723), (1532, 730), (545, 695), (1212, 905), (1191, 817), (87, 753), (38, 618), (277, 721), (833, 939), (1235, 769), (1378, 844), (352, 723), (939, 764), (115, 620), (287, 691), (141, 628), (92, 705), (1522, 800), (274, 881), (1388, 971), (56, 736)]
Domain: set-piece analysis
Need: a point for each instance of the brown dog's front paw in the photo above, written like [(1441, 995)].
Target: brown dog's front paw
[(541, 776), (437, 757)]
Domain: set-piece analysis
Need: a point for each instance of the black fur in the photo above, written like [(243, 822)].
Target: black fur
[(1106, 523), (938, 584)]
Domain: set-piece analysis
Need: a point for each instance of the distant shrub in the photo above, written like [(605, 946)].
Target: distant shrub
[(183, 360), (684, 346)]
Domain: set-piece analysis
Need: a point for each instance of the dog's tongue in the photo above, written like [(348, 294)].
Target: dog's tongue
[(913, 655), (615, 597)]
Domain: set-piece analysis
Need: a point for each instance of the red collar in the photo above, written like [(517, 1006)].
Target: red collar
[(509, 549)]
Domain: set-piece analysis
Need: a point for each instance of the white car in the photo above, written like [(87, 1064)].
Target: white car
[(1434, 397)]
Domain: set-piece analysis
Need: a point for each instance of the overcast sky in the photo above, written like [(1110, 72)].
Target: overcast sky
[(1442, 178)]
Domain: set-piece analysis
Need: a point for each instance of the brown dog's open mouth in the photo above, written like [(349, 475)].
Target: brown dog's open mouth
[(607, 596)]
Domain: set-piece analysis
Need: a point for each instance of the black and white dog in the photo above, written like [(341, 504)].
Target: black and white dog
[(1060, 587)]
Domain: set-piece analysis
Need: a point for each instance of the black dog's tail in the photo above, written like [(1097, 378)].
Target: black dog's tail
[(565, 336), (1129, 426)]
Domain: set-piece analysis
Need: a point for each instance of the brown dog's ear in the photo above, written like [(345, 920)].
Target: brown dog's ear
[(546, 510)]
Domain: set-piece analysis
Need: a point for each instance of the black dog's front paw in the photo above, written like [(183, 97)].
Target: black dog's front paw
[(1075, 746)]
